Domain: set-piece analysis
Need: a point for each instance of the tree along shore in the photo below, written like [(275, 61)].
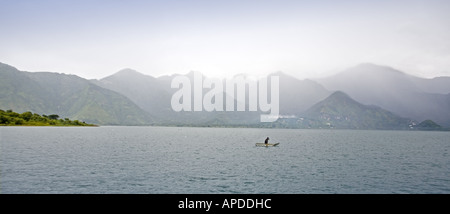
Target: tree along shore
[(11, 118)]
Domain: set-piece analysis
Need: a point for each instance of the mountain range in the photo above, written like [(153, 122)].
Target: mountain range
[(69, 96), (366, 96), (405, 95)]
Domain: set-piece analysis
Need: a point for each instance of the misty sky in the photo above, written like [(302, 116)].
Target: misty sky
[(306, 39)]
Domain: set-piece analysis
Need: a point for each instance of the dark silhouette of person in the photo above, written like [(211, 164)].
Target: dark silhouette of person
[(267, 140)]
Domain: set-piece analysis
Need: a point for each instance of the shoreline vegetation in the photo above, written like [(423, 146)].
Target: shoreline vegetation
[(11, 118)]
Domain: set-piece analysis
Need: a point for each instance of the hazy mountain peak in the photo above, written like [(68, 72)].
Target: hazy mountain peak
[(127, 72), (128, 75), (371, 65), (370, 68), (368, 78)]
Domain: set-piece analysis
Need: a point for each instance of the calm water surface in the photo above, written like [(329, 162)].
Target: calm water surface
[(221, 160)]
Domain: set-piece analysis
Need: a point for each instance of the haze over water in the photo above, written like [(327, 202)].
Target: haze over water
[(221, 160)]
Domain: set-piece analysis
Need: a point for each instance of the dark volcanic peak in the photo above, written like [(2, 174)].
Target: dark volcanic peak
[(338, 99), (339, 95), (340, 111)]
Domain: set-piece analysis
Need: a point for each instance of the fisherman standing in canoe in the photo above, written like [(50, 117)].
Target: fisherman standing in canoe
[(266, 143)]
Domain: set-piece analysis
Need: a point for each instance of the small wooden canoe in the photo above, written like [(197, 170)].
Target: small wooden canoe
[(267, 145)]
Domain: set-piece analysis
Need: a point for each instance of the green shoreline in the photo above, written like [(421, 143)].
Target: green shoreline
[(10, 118)]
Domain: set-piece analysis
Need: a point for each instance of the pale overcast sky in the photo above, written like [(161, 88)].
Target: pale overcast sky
[(306, 39)]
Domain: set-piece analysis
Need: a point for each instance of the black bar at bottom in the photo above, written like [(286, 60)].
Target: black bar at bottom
[(211, 203)]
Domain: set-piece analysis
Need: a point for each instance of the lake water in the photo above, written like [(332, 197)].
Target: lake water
[(221, 160)]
